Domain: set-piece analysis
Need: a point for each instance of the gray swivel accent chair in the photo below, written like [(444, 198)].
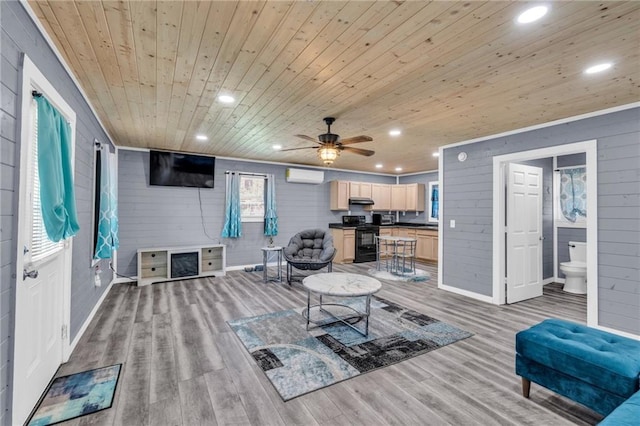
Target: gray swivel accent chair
[(309, 250)]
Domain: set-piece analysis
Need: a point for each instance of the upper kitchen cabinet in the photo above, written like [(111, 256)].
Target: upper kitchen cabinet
[(415, 201), (399, 197), (405, 198), (381, 196), (360, 189), (339, 197)]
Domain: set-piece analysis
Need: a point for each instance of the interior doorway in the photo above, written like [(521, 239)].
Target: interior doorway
[(500, 255)]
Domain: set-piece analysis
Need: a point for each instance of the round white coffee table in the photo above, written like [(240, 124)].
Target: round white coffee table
[(339, 284)]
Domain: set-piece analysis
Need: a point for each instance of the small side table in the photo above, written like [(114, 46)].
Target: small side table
[(270, 254)]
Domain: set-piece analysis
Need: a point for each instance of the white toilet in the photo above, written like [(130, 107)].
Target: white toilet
[(575, 270)]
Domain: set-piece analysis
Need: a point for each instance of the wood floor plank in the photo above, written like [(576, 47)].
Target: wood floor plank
[(257, 404), (133, 401), (145, 304), (164, 371), (167, 412), (183, 365), (196, 403), (225, 399)]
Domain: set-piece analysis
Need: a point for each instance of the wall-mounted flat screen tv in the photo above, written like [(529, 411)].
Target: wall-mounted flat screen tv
[(178, 169)]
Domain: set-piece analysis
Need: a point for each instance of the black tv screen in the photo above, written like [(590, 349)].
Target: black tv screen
[(178, 169)]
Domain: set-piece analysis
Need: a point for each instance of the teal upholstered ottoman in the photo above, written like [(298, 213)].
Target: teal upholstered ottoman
[(628, 414), (595, 368)]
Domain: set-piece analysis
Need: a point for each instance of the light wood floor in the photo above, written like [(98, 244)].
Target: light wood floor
[(184, 366)]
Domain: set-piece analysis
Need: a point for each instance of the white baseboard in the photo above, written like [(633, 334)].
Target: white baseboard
[(121, 280), (548, 281), (86, 323), (252, 265), (467, 293)]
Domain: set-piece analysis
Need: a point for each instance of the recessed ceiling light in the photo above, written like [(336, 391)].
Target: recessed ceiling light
[(378, 166), (226, 99), (395, 132), (398, 169), (436, 154), (598, 68), (277, 147), (202, 137), (533, 14)]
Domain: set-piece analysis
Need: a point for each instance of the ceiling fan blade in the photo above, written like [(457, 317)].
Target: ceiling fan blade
[(360, 151), (304, 147), (309, 138), (355, 139)]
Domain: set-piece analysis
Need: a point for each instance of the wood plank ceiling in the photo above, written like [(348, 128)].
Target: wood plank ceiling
[(442, 72)]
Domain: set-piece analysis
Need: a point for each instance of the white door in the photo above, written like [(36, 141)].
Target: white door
[(524, 232), (41, 288)]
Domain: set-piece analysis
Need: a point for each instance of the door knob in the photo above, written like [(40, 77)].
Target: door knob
[(30, 274)]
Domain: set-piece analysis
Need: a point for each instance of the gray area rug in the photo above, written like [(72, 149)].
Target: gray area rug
[(298, 361)]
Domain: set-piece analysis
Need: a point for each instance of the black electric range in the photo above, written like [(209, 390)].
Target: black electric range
[(365, 237)]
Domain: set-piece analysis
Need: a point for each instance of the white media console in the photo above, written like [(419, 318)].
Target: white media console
[(178, 263)]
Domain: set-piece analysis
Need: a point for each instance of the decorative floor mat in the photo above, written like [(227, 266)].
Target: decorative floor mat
[(77, 395)]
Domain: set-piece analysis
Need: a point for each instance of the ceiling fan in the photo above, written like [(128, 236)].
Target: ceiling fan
[(330, 144)]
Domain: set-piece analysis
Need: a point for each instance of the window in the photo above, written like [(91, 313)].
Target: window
[(252, 198)]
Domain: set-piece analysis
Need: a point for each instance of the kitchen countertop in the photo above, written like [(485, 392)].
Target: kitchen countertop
[(341, 226), (396, 225), (412, 225)]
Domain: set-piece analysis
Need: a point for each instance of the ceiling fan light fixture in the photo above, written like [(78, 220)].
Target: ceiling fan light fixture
[(328, 154)]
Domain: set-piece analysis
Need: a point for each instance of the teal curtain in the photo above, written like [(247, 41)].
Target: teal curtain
[(107, 238), (232, 221), (57, 196), (435, 203), (573, 193), (270, 216)]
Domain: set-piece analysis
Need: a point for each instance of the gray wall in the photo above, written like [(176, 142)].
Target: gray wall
[(425, 178), (547, 213), (467, 258), (579, 159), (153, 216), (19, 35)]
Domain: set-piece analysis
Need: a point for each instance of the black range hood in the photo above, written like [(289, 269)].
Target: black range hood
[(361, 201)]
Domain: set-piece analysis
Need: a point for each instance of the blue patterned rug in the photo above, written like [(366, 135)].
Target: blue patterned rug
[(298, 361), (77, 395)]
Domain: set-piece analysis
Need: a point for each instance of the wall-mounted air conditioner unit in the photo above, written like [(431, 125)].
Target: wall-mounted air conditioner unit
[(304, 176)]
